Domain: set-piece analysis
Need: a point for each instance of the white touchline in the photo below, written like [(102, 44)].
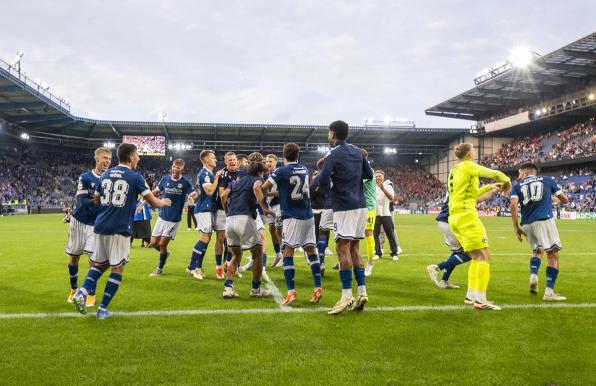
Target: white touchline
[(289, 310), (277, 296), (567, 253)]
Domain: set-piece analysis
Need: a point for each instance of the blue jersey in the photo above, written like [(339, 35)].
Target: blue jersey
[(242, 199), (225, 179), (175, 190), (535, 197), (118, 189), (143, 215), (444, 213), (294, 195), (85, 211), (205, 202), (271, 201), (343, 172)]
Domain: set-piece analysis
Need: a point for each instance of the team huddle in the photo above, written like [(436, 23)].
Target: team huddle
[(238, 201)]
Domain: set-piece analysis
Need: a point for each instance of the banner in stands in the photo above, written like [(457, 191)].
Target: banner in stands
[(568, 215), (586, 216), (487, 212)]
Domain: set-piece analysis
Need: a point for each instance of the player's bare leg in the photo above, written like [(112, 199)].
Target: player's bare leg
[(257, 272), (276, 240)]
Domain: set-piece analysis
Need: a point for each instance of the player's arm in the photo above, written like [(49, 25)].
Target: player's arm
[(257, 189), (388, 190), (210, 188), (487, 192), (323, 179), (266, 187), (156, 202), (83, 192), (515, 214), (484, 172), (224, 198), (558, 192), (367, 171)]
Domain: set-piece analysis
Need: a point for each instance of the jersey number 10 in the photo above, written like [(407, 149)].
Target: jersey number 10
[(532, 192), (114, 192)]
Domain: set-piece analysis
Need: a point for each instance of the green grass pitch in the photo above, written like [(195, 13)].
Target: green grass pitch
[(526, 345)]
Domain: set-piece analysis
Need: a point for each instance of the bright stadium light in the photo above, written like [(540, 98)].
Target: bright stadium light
[(537, 113), (390, 150), (544, 110), (521, 57), (25, 136), (591, 97), (109, 145)]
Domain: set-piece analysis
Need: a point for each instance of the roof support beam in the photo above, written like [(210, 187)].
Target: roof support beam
[(581, 54), (115, 131), (91, 130), (262, 135), (309, 135)]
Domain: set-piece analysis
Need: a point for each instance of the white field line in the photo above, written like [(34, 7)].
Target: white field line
[(277, 296), (286, 310), (564, 253)]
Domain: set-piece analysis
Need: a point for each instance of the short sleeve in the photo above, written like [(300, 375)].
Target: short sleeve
[(554, 187), (514, 191), (205, 178), (189, 188), (140, 185), (276, 175)]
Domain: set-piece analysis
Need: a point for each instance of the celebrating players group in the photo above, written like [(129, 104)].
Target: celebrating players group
[(237, 201)]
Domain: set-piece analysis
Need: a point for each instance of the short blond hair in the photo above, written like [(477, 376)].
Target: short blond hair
[(462, 150), (102, 150)]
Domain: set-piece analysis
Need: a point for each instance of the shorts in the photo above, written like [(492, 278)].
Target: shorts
[(166, 229), (469, 231), (114, 249), (141, 229), (277, 219), (204, 222), (326, 223), (241, 231), (370, 221), (298, 233), (219, 221), (350, 224), (543, 234), (259, 222), (81, 238), (450, 239)]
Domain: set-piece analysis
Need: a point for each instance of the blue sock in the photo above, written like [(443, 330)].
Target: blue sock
[(229, 283), (256, 284), (551, 277), (453, 261), (345, 275), (112, 286), (88, 287), (73, 273), (198, 252), (321, 247), (315, 268), (534, 265), (289, 271), (228, 256), (162, 259), (276, 248), (264, 260), (218, 260), (359, 276)]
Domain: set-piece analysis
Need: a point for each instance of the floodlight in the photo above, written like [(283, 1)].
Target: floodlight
[(537, 113), (521, 57), (24, 136), (591, 97)]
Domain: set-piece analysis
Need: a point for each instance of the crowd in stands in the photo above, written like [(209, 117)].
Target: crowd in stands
[(414, 185), (575, 142)]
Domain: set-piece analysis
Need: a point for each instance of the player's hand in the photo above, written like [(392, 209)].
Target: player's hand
[(166, 202), (498, 186), (139, 209), (519, 233), (191, 202), (506, 187), (219, 172), (269, 212)]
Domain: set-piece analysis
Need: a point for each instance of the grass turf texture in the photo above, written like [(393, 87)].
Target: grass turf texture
[(513, 346)]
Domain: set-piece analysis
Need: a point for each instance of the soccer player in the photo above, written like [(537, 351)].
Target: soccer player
[(81, 238), (206, 187), (117, 193), (176, 188), (228, 174), (275, 222), (346, 168), (326, 222), (240, 200), (463, 184), (370, 196), (298, 219), (458, 256), (317, 202), (534, 194)]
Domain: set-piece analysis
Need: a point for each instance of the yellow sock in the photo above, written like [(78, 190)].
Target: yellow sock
[(473, 277), (483, 274), (370, 246)]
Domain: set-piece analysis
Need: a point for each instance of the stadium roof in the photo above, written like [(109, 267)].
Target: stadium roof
[(27, 105), (546, 77)]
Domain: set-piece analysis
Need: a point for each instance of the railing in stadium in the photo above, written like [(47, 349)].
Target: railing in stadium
[(19, 77)]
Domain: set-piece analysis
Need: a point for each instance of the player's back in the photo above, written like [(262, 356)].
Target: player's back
[(242, 200), (86, 214), (463, 184), (205, 203), (347, 192), (535, 197), (118, 190), (294, 196)]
